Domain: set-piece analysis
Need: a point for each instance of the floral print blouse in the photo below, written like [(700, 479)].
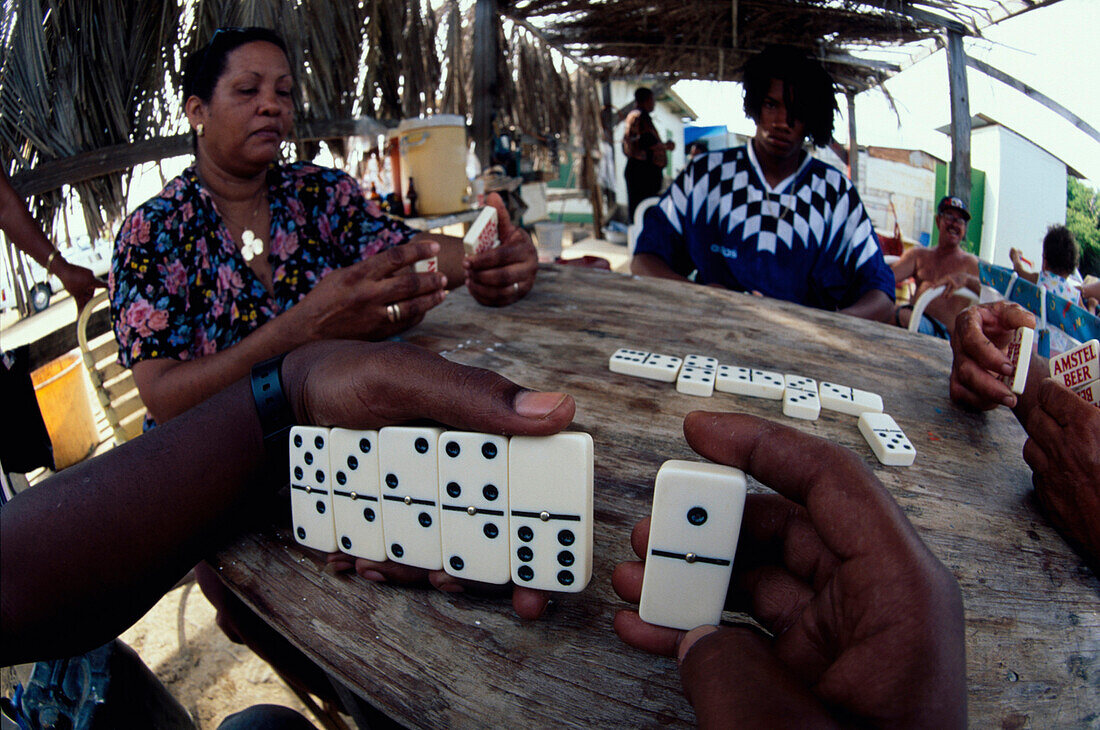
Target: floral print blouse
[(179, 288)]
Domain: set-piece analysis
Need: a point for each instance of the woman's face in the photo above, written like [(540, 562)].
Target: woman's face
[(250, 112)]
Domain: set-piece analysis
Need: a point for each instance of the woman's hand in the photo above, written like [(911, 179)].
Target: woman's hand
[(370, 385), (371, 299), (504, 274)]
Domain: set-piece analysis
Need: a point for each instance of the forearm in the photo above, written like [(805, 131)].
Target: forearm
[(170, 387), (874, 305), (89, 550), (451, 253), (647, 264), (16, 221)]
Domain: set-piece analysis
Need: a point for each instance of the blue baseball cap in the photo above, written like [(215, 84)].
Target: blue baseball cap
[(950, 201)]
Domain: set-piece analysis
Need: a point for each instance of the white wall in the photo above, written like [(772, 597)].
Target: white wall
[(1025, 192)]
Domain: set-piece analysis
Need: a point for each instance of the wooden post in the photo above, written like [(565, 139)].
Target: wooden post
[(960, 117), (486, 57), (853, 146)]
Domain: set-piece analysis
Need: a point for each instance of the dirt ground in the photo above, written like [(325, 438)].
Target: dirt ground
[(209, 675)]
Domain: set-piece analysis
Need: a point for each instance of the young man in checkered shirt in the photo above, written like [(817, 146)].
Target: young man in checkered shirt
[(767, 217)]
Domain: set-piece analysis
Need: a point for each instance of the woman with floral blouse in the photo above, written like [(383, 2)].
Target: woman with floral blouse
[(241, 257)]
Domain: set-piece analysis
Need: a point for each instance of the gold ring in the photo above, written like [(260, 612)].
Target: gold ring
[(393, 312)]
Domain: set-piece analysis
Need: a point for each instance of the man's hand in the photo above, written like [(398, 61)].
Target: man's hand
[(866, 624), (1063, 451), (370, 385), (504, 274), (980, 337)]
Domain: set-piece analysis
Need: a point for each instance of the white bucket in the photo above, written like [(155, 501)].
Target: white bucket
[(433, 154)]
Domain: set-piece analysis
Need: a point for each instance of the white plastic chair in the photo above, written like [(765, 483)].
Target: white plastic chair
[(926, 298), (635, 228)]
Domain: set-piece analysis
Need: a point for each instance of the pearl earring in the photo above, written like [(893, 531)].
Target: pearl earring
[(200, 130)]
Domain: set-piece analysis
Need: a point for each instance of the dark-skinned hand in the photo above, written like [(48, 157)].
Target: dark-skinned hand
[(504, 274), (866, 625), (1063, 451), (369, 385), (980, 338)]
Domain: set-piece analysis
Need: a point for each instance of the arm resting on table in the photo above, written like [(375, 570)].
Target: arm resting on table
[(647, 264), (874, 305)]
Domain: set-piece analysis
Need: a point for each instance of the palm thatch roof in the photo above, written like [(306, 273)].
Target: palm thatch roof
[(84, 85), (712, 39)]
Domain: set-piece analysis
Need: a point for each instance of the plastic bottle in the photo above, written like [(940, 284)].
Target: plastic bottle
[(411, 200)]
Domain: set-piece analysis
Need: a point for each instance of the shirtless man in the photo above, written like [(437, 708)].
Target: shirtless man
[(947, 264)]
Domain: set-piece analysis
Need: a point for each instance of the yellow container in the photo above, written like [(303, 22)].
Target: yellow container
[(433, 153), (62, 392)]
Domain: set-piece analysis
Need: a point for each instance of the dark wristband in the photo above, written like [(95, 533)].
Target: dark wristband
[(273, 409)]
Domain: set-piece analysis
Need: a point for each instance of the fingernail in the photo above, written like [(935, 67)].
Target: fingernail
[(536, 404), (373, 575), (450, 588), (1006, 368), (688, 641), (434, 247), (443, 280), (1010, 401)]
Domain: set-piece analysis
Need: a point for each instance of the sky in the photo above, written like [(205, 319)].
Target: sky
[(1055, 49)]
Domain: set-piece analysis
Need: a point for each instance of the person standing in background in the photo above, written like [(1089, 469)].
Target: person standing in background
[(646, 154)]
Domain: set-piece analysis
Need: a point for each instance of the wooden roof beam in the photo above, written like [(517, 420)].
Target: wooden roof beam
[(1033, 93)]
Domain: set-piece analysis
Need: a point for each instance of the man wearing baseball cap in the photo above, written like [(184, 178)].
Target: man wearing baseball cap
[(946, 264)]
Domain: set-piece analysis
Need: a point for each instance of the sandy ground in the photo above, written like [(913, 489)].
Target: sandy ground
[(209, 675)]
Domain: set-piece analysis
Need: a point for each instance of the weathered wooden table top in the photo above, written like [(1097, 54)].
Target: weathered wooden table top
[(432, 659)]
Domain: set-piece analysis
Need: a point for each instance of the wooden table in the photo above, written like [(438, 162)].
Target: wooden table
[(432, 659)]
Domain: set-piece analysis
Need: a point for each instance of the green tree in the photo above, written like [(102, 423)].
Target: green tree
[(1083, 218)]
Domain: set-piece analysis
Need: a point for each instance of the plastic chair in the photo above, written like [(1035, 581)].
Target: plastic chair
[(113, 384), (1051, 310), (635, 228), (926, 298)]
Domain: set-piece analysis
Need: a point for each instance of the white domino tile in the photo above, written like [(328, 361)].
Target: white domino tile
[(696, 381), (701, 361), (800, 398), (409, 470), (473, 496), (642, 364), (747, 381), (550, 506), (852, 401), (483, 234), (426, 266), (890, 445), (356, 509), (310, 484), (1077, 367), (1019, 354), (697, 510)]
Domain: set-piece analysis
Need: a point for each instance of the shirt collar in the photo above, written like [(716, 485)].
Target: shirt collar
[(784, 183)]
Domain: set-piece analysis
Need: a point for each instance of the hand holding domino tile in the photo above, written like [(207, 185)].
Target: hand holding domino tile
[(828, 561), (980, 345), (354, 302), (502, 274), (357, 385)]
